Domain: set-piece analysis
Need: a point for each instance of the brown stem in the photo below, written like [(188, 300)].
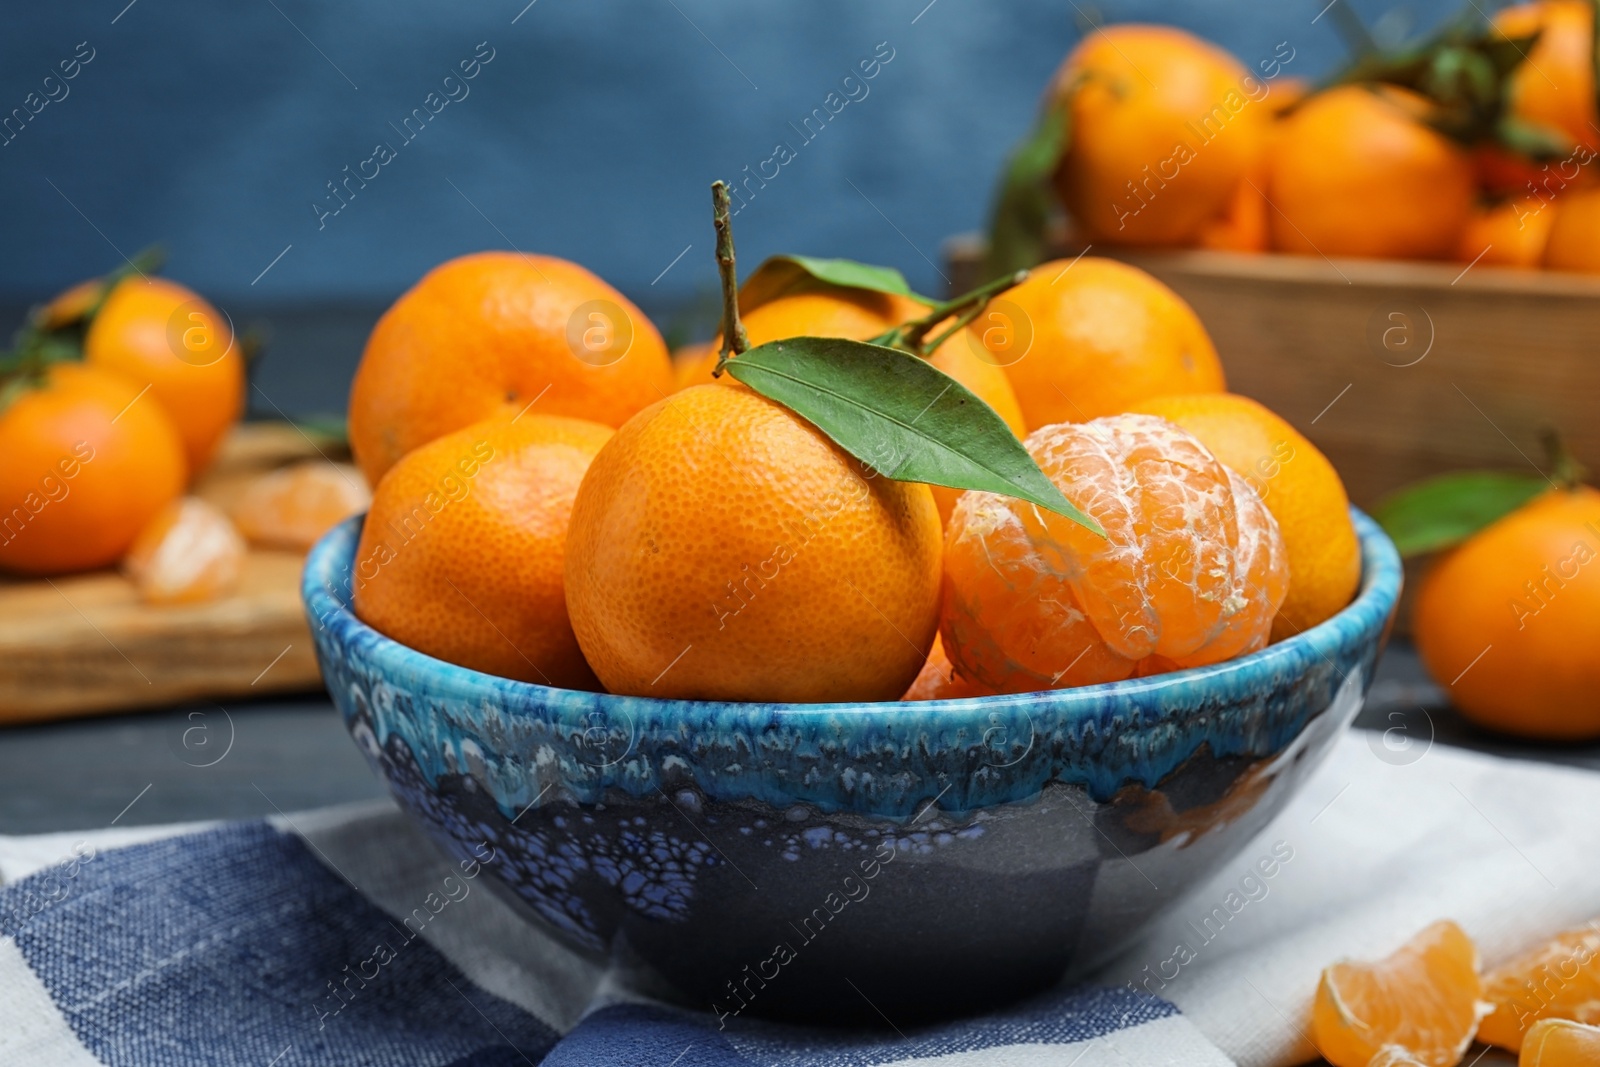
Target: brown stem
[(971, 304), (734, 339), (1565, 470)]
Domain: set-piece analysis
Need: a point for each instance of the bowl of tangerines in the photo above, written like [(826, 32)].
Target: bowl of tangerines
[(890, 651)]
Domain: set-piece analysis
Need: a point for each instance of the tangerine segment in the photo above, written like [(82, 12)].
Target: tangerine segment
[(723, 548), (1559, 979), (938, 679), (1560, 1043), (1191, 571), (461, 553), (292, 507), (190, 553), (1422, 1000)]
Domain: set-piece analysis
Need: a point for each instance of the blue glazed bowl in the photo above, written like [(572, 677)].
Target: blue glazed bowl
[(803, 859)]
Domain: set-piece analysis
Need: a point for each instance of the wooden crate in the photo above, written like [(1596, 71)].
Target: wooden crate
[(1397, 370), (85, 643)]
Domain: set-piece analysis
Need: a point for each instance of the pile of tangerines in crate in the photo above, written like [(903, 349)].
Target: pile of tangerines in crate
[(1477, 144)]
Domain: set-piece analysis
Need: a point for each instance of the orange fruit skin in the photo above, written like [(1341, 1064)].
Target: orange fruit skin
[(1242, 226), (1574, 240), (488, 334), (1527, 589), (1161, 132), (461, 554), (86, 467), (1555, 86), (1560, 1043), (722, 548), (1298, 485), (1559, 979), (1512, 233), (1353, 172), (1422, 1000), (1191, 571), (1100, 336), (860, 315), (190, 553), (156, 331)]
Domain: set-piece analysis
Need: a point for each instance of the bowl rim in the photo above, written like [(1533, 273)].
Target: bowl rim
[(328, 610)]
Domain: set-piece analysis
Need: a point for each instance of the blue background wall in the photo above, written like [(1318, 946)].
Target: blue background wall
[(593, 132)]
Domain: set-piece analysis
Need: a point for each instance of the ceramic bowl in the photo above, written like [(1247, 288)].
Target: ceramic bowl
[(788, 858)]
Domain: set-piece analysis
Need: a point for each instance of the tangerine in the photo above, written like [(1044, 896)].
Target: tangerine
[(1162, 127), (1421, 1001), (89, 461), (1503, 619), (155, 331), (1574, 232), (1087, 338), (723, 548), (491, 334), (461, 553), (1554, 86), (1511, 233), (1559, 979), (1355, 171), (1191, 571), (1298, 485)]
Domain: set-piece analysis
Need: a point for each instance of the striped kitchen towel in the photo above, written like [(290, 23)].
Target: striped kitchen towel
[(343, 937)]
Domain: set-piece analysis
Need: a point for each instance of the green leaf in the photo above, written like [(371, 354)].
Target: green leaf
[(778, 274), (901, 416), (1443, 511), (1017, 229)]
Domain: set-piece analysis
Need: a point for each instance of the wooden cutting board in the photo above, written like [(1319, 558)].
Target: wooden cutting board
[(85, 643)]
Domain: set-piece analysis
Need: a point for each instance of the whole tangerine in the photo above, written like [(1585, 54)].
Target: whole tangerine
[(1162, 127), (1511, 233), (1505, 620), (461, 554), (155, 331), (1355, 171), (491, 334), (1554, 86), (723, 548), (1087, 338), (1191, 571), (89, 462), (1574, 236)]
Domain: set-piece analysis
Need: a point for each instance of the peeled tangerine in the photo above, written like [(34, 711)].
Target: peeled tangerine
[(292, 507), (1191, 571), (189, 553), (1419, 1005)]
